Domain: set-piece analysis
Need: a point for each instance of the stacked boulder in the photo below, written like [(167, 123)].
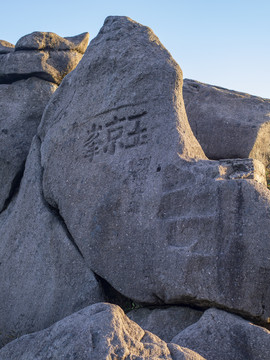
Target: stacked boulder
[(30, 72), (42, 275), (228, 124), (117, 191)]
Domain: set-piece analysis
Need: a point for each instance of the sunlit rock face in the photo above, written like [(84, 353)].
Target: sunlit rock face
[(43, 276), (29, 74), (148, 211), (101, 331), (219, 335), (228, 124)]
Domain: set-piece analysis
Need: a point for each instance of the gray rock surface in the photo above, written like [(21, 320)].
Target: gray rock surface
[(165, 322), (50, 66), (149, 213), (44, 55), (220, 335), (21, 107), (101, 331), (43, 277), (50, 41), (22, 102), (6, 47), (228, 124)]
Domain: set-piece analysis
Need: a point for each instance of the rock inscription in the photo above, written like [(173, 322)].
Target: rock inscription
[(123, 132)]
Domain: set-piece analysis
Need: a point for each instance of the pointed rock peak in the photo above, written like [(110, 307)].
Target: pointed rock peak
[(6, 47), (51, 41), (123, 25)]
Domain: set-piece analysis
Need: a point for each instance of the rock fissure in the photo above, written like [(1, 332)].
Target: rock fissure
[(14, 188), (13, 78)]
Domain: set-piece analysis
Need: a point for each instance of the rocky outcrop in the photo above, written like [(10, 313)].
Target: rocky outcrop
[(219, 335), (24, 95), (150, 214), (228, 124), (166, 322), (101, 331), (43, 276), (118, 202)]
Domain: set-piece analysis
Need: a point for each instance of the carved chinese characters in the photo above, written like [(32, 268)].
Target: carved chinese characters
[(120, 132)]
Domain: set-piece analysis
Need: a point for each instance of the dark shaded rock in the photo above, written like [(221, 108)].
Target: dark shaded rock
[(21, 107), (228, 124), (51, 41), (149, 213), (6, 47), (43, 276), (165, 322), (219, 335), (101, 331)]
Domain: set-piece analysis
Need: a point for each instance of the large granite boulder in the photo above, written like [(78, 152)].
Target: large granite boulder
[(165, 322), (219, 335), (148, 211), (101, 331), (228, 124), (43, 276), (24, 94)]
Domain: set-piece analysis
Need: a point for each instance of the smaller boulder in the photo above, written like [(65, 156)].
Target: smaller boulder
[(101, 331), (50, 41), (6, 47), (220, 335), (45, 55), (228, 124)]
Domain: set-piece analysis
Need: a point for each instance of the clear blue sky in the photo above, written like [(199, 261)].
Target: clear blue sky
[(220, 42)]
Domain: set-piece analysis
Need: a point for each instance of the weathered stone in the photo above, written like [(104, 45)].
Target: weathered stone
[(149, 213), (228, 124), (6, 47), (51, 41), (220, 335), (100, 331), (43, 277), (21, 107), (47, 65), (165, 322), (22, 101)]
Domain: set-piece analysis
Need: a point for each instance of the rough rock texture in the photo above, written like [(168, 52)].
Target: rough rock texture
[(45, 55), (6, 47), (51, 41), (165, 322), (101, 331), (219, 335), (37, 56), (43, 277), (21, 107), (149, 213), (228, 124)]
